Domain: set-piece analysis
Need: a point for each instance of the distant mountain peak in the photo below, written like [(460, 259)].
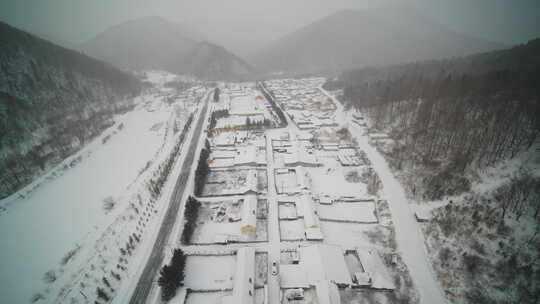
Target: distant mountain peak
[(156, 43)]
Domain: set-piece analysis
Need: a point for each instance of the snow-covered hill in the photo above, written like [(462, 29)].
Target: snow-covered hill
[(52, 101), (91, 217)]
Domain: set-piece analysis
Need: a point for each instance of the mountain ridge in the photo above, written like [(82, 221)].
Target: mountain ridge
[(52, 101), (155, 43), (357, 38)]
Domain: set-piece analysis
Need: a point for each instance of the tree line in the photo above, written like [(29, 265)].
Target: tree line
[(191, 214), (449, 117), (203, 169), (275, 107)]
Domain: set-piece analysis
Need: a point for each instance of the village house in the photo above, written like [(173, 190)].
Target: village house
[(244, 278), (249, 215)]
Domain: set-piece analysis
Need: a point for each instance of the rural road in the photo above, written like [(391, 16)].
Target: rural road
[(155, 260)]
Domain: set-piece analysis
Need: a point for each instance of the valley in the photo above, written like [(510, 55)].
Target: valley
[(358, 153)]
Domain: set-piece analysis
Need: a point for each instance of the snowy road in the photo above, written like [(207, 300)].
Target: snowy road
[(145, 283), (273, 225), (410, 240)]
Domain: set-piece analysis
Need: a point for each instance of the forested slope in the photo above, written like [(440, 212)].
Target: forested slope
[(52, 101), (453, 113), (465, 136)]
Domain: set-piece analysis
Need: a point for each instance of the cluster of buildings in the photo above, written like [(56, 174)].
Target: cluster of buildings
[(326, 268), (308, 163), (304, 102), (239, 148), (243, 104)]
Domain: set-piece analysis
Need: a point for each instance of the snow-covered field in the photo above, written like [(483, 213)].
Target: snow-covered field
[(210, 272), (58, 223)]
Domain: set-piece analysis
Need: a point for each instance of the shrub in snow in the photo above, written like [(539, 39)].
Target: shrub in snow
[(108, 203), (216, 94), (37, 298), (102, 294), (172, 275), (69, 255), (215, 116), (105, 139), (353, 177), (374, 183), (49, 276), (471, 262), (106, 282), (202, 170), (115, 275)]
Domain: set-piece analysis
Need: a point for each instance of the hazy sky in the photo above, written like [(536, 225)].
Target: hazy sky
[(244, 25)]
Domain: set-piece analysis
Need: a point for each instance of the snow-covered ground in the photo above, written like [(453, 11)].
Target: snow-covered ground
[(64, 211), (409, 237), (119, 170), (355, 219)]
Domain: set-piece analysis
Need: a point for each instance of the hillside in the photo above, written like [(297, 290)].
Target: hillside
[(155, 43), (463, 140), (52, 101), (351, 39)]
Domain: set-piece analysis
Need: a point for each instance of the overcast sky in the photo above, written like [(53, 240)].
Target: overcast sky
[(244, 25)]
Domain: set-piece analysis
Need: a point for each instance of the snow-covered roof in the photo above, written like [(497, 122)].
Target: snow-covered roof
[(325, 199), (362, 278), (372, 263), (293, 276), (422, 214), (251, 181), (304, 136), (311, 219), (245, 105), (330, 146), (249, 213), (302, 179), (314, 234), (223, 153), (224, 139), (244, 278), (298, 156), (221, 238), (346, 160), (325, 263), (377, 135)]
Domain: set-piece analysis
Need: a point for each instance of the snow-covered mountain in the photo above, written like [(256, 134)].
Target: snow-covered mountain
[(349, 39), (155, 43), (52, 100)]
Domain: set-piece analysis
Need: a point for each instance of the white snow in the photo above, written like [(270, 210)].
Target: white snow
[(325, 263), (361, 212), (210, 272), (409, 237), (66, 211)]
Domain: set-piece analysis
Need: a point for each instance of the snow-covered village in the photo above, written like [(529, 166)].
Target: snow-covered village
[(209, 152)]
